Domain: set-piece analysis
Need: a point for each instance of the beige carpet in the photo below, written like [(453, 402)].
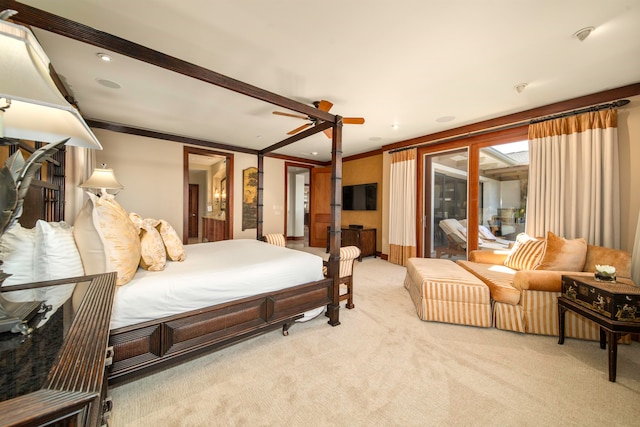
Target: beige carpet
[(384, 367)]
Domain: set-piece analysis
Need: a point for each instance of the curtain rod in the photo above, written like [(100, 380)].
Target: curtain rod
[(615, 104), (461, 136)]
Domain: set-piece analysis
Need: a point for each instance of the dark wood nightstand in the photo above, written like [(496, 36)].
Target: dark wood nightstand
[(58, 373)]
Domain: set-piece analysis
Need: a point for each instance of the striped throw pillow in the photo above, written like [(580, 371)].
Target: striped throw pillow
[(526, 253)]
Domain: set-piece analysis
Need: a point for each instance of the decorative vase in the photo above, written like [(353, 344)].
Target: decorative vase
[(604, 277), (605, 273)]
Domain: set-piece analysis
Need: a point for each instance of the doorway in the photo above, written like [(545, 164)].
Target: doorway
[(297, 195), (208, 195)]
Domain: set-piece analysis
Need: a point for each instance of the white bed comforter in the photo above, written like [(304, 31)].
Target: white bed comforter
[(212, 273)]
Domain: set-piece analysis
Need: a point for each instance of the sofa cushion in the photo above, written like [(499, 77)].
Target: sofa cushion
[(526, 253), (621, 260), (497, 277), (561, 254)]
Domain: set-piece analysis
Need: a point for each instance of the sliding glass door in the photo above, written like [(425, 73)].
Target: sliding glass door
[(472, 193), (445, 203)]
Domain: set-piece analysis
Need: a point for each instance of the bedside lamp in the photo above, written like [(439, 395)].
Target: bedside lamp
[(31, 106), (102, 179)]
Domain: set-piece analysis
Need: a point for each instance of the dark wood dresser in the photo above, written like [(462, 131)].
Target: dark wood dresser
[(213, 229), (363, 238), (57, 374)]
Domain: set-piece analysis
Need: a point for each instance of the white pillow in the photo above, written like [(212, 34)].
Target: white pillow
[(107, 239), (485, 233), (55, 257), (17, 246)]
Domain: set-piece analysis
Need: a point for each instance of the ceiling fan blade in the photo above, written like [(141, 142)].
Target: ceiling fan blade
[(328, 132), (353, 120), (298, 129), (297, 116), (324, 105)]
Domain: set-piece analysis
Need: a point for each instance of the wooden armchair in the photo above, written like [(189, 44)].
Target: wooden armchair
[(455, 246), (348, 256)]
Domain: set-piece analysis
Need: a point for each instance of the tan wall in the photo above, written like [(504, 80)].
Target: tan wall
[(364, 171), (151, 172)]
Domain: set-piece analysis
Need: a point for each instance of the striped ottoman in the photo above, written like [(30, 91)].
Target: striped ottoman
[(442, 291)]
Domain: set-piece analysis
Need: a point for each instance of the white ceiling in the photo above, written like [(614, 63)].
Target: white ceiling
[(408, 62)]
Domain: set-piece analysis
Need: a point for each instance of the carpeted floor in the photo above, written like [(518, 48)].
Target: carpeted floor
[(384, 367)]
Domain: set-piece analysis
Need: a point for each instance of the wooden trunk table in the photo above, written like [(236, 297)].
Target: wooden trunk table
[(610, 328)]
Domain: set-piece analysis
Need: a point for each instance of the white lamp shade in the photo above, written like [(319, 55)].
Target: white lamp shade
[(37, 111), (103, 179)]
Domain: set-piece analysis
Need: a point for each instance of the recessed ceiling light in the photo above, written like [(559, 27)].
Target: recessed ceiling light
[(104, 57), (314, 153), (583, 33), (445, 119), (109, 83), (395, 126)]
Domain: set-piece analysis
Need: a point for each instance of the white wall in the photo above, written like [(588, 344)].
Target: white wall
[(151, 171), (274, 209), (510, 194), (299, 206)]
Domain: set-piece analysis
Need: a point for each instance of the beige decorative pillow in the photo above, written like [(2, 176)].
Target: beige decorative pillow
[(561, 254), (107, 239), (154, 255), (525, 253), (172, 242)]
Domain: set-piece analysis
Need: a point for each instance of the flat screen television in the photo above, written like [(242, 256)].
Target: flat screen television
[(361, 197)]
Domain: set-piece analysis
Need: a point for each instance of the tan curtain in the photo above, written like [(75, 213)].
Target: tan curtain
[(635, 259), (79, 164), (574, 187), (402, 209)]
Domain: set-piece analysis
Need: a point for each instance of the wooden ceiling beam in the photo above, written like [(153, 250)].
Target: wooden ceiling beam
[(115, 127), (297, 137)]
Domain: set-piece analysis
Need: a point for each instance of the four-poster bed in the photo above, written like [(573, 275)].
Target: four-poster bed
[(155, 344)]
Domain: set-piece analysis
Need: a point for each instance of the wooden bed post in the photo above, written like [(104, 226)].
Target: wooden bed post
[(333, 309), (260, 195)]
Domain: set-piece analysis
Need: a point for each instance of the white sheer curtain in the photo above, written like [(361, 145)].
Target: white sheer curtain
[(402, 209), (574, 186), (80, 163)]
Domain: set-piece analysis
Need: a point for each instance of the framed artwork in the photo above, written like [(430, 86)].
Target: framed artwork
[(249, 198)]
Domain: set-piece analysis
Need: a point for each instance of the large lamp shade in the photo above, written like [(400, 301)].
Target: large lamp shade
[(33, 106)]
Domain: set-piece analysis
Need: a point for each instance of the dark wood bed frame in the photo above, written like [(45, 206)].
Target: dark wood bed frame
[(151, 346)]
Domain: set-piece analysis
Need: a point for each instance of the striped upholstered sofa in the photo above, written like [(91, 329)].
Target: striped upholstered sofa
[(524, 289)]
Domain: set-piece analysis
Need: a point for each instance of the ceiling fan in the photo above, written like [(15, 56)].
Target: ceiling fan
[(322, 106)]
